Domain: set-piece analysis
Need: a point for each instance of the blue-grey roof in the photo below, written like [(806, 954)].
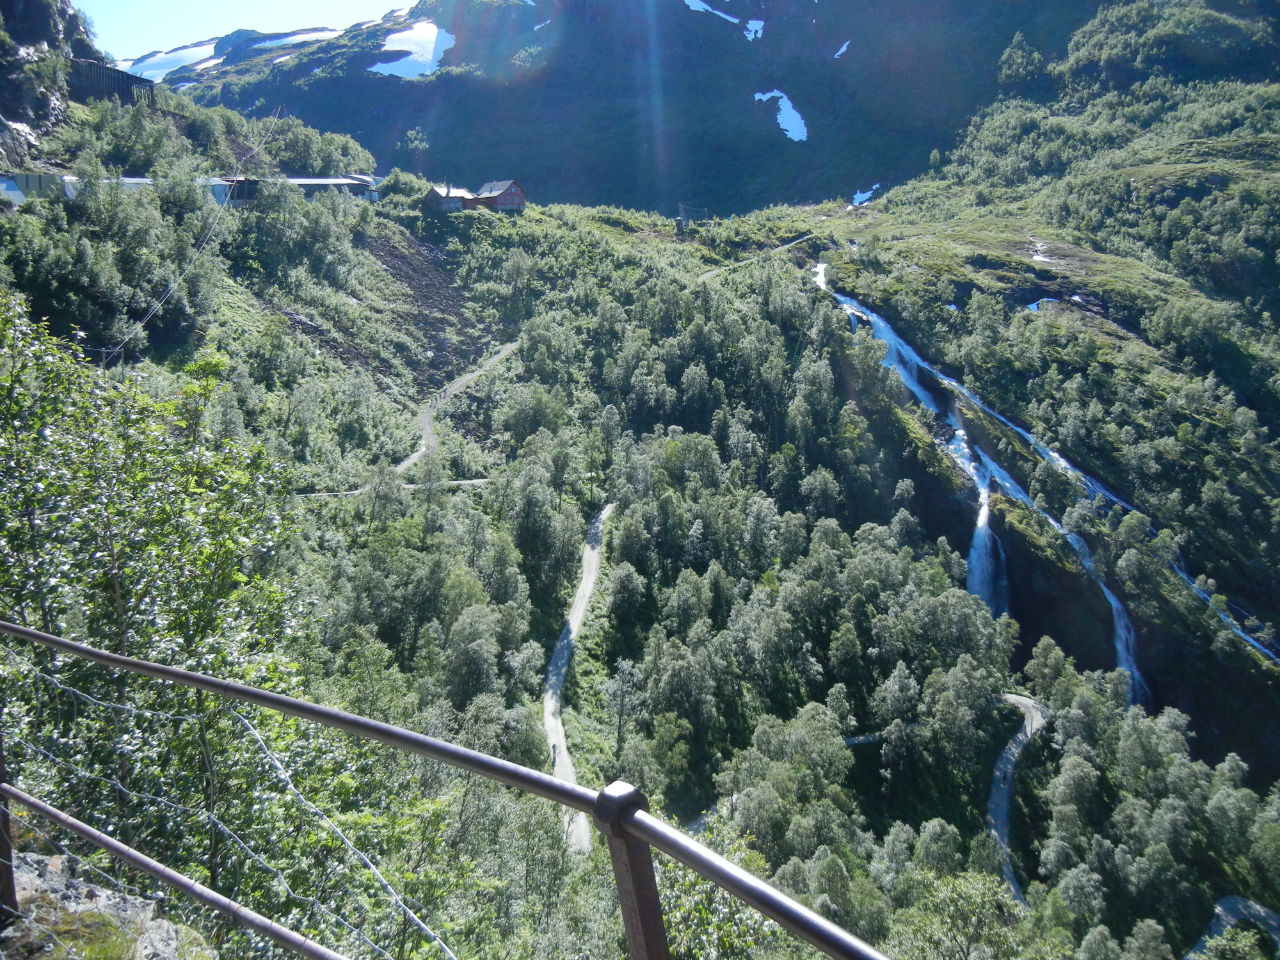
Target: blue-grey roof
[(493, 188)]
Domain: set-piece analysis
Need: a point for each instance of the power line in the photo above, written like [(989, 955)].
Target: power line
[(115, 351)]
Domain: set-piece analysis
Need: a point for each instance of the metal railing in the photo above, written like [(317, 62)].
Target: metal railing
[(620, 812)]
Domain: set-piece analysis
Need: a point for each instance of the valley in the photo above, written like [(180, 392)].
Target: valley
[(921, 549)]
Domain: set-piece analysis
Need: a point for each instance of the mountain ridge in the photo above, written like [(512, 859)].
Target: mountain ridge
[(667, 91)]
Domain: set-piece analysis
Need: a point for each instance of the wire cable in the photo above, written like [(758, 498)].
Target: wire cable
[(115, 351), (391, 891)]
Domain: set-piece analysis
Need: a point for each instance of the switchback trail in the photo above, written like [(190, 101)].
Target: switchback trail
[(1000, 801), (1228, 911), (741, 263), (427, 416), (427, 422), (579, 827)]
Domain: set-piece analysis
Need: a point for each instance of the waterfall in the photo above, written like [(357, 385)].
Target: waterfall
[(986, 576), (983, 576)]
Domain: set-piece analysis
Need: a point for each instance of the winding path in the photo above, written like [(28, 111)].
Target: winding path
[(427, 416), (1226, 913), (578, 825), (742, 263), (1000, 801), (427, 422)]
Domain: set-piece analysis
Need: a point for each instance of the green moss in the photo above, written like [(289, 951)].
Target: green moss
[(66, 935)]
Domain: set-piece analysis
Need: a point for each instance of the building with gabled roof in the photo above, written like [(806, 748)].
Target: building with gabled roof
[(447, 199), (502, 195)]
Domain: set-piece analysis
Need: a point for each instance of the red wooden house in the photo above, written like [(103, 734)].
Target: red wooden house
[(504, 195)]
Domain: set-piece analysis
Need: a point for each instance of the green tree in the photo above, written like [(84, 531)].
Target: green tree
[(962, 917)]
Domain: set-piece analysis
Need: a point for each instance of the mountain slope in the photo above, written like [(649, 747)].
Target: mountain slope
[(35, 38), (646, 105)]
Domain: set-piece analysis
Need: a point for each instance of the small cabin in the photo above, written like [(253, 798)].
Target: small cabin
[(446, 199), (506, 195)]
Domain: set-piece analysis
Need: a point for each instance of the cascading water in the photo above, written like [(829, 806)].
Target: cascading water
[(986, 576), (982, 576)]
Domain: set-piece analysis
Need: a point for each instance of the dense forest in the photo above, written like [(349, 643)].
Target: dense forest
[(206, 407)]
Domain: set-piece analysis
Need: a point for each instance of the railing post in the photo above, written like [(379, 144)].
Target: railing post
[(633, 873), (8, 888)]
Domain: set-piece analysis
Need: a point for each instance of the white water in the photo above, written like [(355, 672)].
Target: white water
[(975, 461), (987, 575), (1223, 615), (1094, 488)]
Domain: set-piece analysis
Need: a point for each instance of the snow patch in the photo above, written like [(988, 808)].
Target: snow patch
[(426, 44), (156, 66), (789, 118), (755, 29), (304, 37), (287, 56), (863, 196), (539, 26), (840, 52), (206, 64), (699, 7)]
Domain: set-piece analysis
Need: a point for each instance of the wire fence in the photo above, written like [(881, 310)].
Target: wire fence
[(156, 818), (122, 783)]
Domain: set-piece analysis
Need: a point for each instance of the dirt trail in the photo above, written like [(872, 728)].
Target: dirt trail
[(579, 826), (741, 263), (426, 422), (1231, 910), (427, 416), (1000, 801)]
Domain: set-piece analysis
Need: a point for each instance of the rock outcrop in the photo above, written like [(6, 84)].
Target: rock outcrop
[(63, 910)]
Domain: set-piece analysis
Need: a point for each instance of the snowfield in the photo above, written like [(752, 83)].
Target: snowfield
[(700, 7), (426, 44), (157, 66), (305, 37), (789, 118)]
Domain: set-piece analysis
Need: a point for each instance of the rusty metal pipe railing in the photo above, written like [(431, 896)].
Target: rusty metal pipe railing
[(241, 914), (512, 774), (620, 812)]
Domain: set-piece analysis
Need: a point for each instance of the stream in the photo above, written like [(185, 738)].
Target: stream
[(985, 561), (986, 566)]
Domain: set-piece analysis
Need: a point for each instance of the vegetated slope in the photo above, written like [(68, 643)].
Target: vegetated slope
[(648, 105), (1134, 182), (784, 568)]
